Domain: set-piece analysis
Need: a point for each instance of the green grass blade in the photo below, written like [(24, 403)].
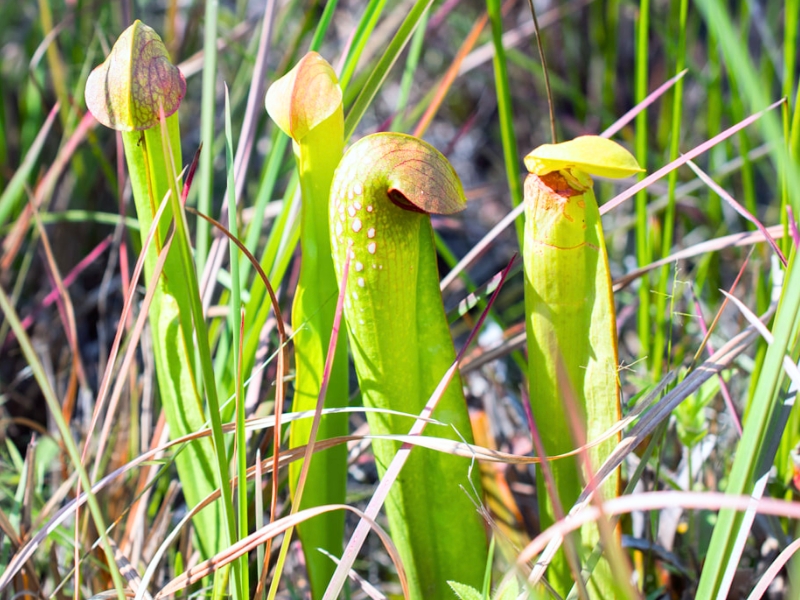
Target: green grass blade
[(66, 435), (751, 462), (642, 231), (360, 38), (381, 70), (192, 298), (235, 327), (205, 175), (412, 62), (87, 216), (506, 111), (11, 196), (752, 456), (322, 26), (659, 346)]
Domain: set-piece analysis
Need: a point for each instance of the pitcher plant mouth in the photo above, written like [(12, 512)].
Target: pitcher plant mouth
[(136, 80)]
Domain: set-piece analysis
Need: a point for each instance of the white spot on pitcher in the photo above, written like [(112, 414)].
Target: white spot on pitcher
[(356, 225)]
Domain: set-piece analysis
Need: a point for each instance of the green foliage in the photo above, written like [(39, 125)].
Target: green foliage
[(465, 592), (691, 420), (509, 590), (93, 381)]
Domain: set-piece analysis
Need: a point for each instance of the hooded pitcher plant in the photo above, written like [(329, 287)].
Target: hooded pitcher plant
[(571, 326), (128, 92), (382, 194), (306, 104)]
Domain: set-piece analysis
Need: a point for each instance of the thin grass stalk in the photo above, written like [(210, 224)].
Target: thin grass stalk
[(3, 144), (611, 10), (12, 193), (791, 18), (205, 175), (784, 458), (785, 210), (323, 24), (235, 325), (672, 182), (259, 511), (793, 138), (708, 278), (737, 110), (751, 462), (412, 62), (270, 171), (283, 247), (279, 384), (16, 291), (254, 82), (256, 308), (360, 37), (381, 70), (506, 111), (643, 254), (206, 364), (54, 60)]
